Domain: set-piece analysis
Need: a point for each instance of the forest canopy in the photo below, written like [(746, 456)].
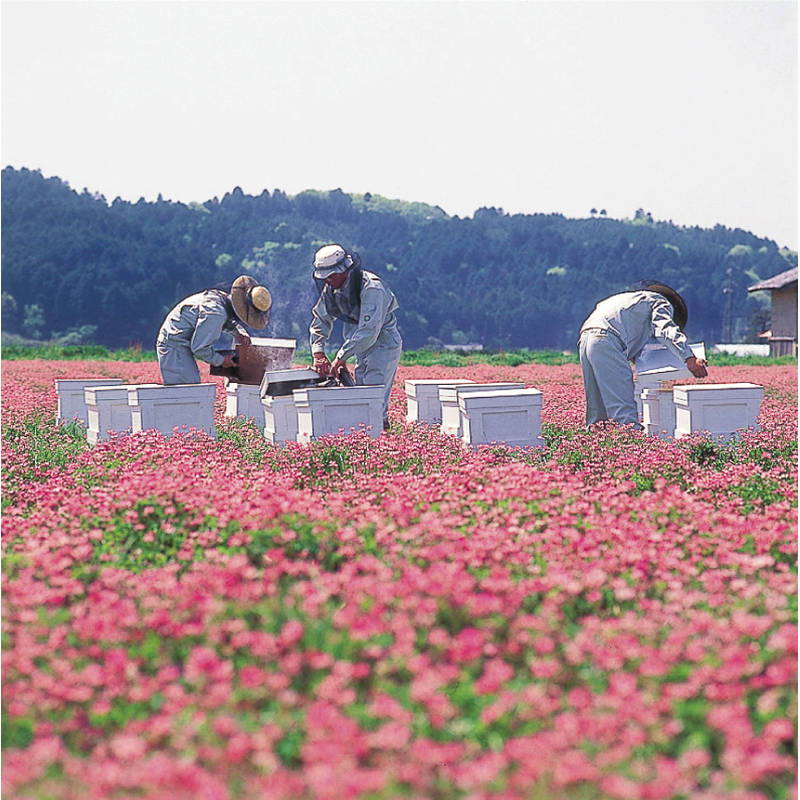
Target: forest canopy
[(78, 268)]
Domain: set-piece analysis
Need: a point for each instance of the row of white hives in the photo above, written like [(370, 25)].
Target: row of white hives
[(478, 413), (106, 405), (719, 409), (501, 412), (109, 406)]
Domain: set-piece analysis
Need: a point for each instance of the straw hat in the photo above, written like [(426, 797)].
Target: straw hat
[(679, 312), (251, 301)]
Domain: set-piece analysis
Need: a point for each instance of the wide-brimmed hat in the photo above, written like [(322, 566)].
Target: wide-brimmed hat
[(679, 311), (251, 301), (330, 259)]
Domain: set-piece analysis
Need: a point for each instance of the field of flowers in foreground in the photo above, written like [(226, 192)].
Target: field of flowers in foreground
[(613, 617)]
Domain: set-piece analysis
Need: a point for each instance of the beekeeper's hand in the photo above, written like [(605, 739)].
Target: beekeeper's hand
[(336, 367), (697, 366), (229, 361), (322, 364), (242, 338)]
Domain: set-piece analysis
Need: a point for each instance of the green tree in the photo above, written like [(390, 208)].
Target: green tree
[(10, 313), (740, 251), (80, 334), (122, 267), (33, 323)]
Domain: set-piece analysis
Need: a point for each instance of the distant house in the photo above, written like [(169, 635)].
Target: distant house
[(783, 291)]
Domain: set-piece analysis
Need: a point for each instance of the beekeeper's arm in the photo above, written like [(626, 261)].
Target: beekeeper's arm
[(320, 328), (668, 333), (319, 332), (210, 321), (374, 304)]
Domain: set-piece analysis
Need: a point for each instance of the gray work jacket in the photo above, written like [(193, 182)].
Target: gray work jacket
[(374, 310), (197, 322), (636, 318)]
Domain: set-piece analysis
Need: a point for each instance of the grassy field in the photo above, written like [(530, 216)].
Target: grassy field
[(411, 358)]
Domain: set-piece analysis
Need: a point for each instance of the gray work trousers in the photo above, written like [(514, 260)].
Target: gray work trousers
[(377, 367), (607, 379), (176, 363)]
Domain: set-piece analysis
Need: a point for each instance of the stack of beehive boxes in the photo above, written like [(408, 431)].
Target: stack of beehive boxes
[(657, 364), (243, 400), (338, 409), (658, 412), (478, 413), (280, 419), (280, 414), (423, 402), (723, 410), (298, 409), (181, 407), (111, 406), (108, 411), (71, 399), (449, 400), (509, 416)]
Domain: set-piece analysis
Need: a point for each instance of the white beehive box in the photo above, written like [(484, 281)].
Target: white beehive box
[(658, 413), (164, 408), (423, 399), (244, 400), (71, 398), (448, 397), (107, 410), (510, 416), (655, 364), (338, 409), (280, 419), (721, 409)]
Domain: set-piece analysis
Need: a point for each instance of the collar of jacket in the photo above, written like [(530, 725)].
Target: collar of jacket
[(352, 296)]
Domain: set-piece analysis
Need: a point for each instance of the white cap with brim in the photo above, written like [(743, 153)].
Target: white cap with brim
[(331, 259)]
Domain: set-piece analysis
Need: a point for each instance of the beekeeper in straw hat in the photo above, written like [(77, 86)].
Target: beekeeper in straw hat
[(367, 307), (197, 323), (615, 333)]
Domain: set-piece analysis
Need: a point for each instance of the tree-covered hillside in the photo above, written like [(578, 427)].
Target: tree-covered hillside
[(76, 267)]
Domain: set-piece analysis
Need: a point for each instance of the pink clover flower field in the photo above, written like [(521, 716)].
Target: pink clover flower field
[(612, 616)]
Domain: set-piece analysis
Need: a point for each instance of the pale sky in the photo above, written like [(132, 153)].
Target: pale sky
[(685, 109)]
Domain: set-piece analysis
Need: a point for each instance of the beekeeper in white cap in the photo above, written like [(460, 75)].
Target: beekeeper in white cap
[(191, 330), (615, 333), (367, 307)]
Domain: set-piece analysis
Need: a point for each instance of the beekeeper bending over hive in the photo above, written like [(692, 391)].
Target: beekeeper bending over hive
[(615, 333), (366, 305), (197, 323)]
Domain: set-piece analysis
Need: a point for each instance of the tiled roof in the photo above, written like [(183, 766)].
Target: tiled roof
[(779, 281)]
